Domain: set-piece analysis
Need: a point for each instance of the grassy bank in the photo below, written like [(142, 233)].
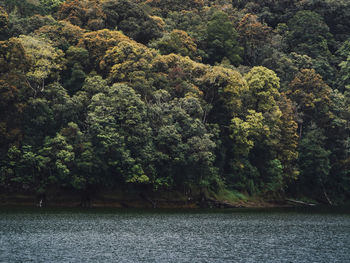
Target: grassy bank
[(133, 199)]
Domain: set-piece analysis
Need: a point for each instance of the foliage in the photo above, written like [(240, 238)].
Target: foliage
[(311, 95), (308, 34), (174, 5), (45, 61), (253, 35), (222, 40), (178, 42), (98, 42), (132, 19), (220, 97), (4, 21), (87, 13), (61, 34), (314, 160)]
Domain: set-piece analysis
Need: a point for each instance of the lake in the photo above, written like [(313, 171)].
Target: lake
[(237, 235)]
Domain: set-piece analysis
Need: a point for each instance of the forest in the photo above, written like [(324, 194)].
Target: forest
[(171, 95)]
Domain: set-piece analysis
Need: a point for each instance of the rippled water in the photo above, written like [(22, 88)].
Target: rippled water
[(173, 236)]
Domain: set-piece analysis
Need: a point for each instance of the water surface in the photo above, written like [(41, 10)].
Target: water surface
[(43, 235)]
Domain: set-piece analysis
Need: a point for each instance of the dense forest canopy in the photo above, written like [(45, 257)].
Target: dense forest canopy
[(251, 96)]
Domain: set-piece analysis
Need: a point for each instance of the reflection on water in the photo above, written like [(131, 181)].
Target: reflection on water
[(173, 236)]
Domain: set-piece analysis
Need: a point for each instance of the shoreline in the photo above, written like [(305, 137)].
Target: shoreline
[(69, 201)]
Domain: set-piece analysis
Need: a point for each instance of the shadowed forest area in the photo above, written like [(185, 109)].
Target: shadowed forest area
[(248, 98)]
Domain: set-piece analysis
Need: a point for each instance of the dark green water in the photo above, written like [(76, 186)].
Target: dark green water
[(173, 236)]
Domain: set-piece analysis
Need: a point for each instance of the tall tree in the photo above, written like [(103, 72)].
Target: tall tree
[(312, 97), (253, 35), (132, 19), (314, 163), (222, 40)]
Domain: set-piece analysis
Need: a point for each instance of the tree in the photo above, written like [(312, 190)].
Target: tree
[(287, 66), (132, 19), (244, 133), (11, 177), (263, 89), (46, 113), (177, 75), (13, 58), (45, 61), (77, 60), (61, 159), (14, 63), (311, 95), (309, 34), (130, 62), (177, 41), (336, 15), (85, 170), (165, 6), (263, 136), (98, 94), (344, 53), (183, 144), (51, 6), (120, 135), (252, 35), (26, 25), (124, 59), (314, 162), (22, 8), (86, 13), (337, 141), (195, 24), (4, 21), (224, 91), (287, 147), (98, 42), (62, 34), (222, 40), (11, 108)]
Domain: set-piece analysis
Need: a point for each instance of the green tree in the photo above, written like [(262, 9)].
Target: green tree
[(165, 6), (46, 112), (344, 53), (311, 95), (4, 21), (309, 34), (45, 61), (77, 61), (27, 25), (62, 34), (314, 162), (245, 133), (51, 6), (263, 89), (222, 40), (120, 135), (98, 42), (184, 145), (61, 159), (132, 19), (253, 35), (86, 13), (177, 41), (338, 142), (287, 148)]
